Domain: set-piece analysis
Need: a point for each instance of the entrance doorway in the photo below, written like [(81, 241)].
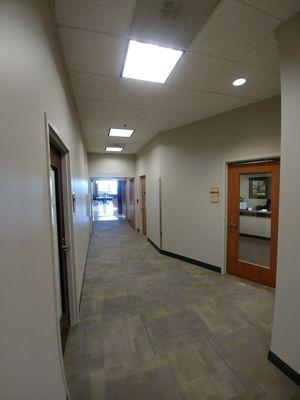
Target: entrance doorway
[(252, 230), (109, 199), (143, 204), (59, 242)]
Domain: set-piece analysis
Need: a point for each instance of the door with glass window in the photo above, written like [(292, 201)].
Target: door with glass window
[(59, 243), (252, 220)]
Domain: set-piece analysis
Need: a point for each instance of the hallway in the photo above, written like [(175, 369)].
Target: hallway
[(156, 328)]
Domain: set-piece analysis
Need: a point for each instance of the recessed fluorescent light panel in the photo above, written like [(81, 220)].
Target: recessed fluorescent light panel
[(114, 149), (149, 62), (121, 132), (239, 82)]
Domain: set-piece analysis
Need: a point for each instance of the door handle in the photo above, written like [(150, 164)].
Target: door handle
[(232, 225), (65, 248)]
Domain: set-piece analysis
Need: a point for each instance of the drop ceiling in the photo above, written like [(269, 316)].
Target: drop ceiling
[(223, 40)]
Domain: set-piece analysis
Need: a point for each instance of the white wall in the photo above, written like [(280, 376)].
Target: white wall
[(286, 328), (111, 165), (32, 82), (192, 159)]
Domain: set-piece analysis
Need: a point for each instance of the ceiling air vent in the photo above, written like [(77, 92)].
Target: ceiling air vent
[(171, 9)]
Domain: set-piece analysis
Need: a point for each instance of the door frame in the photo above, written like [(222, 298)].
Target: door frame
[(271, 157), (53, 136), (131, 186), (109, 178), (143, 228)]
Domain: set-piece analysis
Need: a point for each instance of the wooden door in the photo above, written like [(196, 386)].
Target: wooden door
[(252, 221), (58, 232), (131, 202), (143, 204)]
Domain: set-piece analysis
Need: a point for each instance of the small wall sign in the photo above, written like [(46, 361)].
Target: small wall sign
[(214, 195)]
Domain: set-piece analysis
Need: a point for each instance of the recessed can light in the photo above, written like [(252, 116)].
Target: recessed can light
[(114, 149), (116, 132), (239, 82), (149, 62)]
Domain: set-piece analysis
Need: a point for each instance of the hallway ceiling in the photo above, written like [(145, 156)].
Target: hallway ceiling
[(224, 40)]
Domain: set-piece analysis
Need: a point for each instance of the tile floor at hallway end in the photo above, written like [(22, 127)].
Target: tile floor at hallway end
[(156, 328)]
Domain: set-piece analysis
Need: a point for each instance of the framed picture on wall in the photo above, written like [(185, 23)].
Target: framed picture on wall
[(259, 188)]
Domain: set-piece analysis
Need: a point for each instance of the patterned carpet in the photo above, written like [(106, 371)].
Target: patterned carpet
[(156, 328)]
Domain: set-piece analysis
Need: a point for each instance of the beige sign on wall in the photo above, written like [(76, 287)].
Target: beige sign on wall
[(214, 195)]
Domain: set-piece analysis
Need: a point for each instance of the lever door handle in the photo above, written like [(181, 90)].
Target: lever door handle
[(65, 248), (232, 225)]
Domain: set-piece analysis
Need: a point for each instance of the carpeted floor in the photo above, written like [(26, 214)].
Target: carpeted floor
[(156, 328)]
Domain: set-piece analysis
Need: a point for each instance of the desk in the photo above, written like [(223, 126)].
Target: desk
[(255, 223)]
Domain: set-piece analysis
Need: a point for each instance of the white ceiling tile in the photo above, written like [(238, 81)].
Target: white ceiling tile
[(139, 112), (92, 131), (173, 124), (253, 75), (95, 121), (213, 103), (233, 30), (187, 117), (208, 105), (264, 55), (94, 108), (102, 132), (131, 111), (163, 114), (280, 8), (201, 84), (170, 23), (112, 122), (93, 86), (139, 92), (92, 52), (177, 97), (268, 88), (110, 16), (198, 72), (97, 141)]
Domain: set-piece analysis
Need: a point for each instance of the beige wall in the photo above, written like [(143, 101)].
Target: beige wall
[(32, 83), (192, 159), (286, 328), (111, 165)]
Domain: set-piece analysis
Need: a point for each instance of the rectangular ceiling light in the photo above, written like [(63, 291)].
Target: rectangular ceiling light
[(121, 132), (114, 149), (149, 62)]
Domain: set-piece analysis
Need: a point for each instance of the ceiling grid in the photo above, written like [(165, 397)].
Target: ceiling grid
[(230, 39)]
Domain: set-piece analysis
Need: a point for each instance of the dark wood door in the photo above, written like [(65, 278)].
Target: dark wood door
[(252, 221), (143, 204), (131, 202), (58, 227)]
